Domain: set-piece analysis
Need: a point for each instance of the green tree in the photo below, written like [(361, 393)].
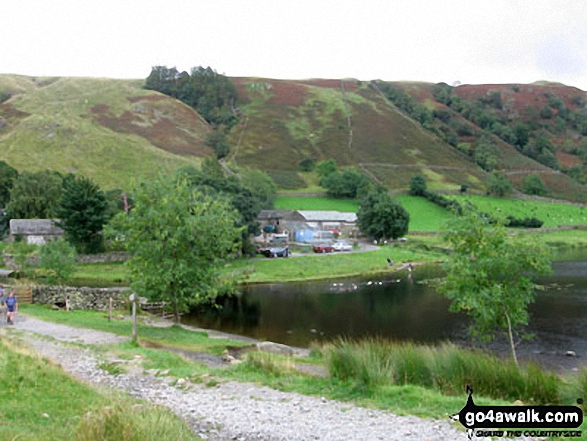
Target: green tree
[(83, 211), (178, 237), (218, 141), (486, 154), (381, 216), (57, 258), (348, 183), (248, 195), (533, 184), (7, 176), (498, 185), (418, 185), (489, 274), (260, 185), (35, 195), (325, 168)]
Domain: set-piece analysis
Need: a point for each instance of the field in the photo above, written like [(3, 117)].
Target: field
[(553, 214), (424, 215)]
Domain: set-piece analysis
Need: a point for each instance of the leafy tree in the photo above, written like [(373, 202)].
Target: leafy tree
[(213, 95), (418, 185), (260, 185), (178, 238), (546, 112), (498, 185), (348, 183), (35, 195), (7, 176), (246, 196), (217, 140), (522, 133), (489, 274), (325, 168), (117, 201), (83, 211), (486, 154), (57, 258), (533, 184), (381, 216)]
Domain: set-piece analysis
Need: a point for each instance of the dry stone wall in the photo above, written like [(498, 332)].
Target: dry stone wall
[(81, 297)]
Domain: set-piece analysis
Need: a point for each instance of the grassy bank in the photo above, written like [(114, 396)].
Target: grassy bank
[(405, 379), (32, 408)]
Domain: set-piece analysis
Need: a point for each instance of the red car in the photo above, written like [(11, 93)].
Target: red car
[(322, 248)]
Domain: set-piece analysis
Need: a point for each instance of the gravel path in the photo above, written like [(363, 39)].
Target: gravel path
[(230, 410)]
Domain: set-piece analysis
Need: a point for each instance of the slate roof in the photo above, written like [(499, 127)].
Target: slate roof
[(35, 227), (328, 216)]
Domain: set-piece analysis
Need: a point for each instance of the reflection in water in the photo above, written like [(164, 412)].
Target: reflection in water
[(401, 308)]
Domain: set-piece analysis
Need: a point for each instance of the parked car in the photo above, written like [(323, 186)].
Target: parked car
[(342, 246), (274, 252), (322, 248)]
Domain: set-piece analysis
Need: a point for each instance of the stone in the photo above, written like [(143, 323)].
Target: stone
[(275, 348)]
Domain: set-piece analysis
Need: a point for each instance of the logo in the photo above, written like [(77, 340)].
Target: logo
[(519, 420)]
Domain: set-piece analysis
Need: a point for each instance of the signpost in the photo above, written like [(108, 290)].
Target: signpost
[(133, 299)]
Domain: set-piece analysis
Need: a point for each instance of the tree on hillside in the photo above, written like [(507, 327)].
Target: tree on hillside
[(213, 95), (489, 274), (83, 211), (348, 183), (417, 185), (325, 168), (7, 176), (381, 216), (533, 184), (35, 195), (497, 185), (217, 140), (178, 238)]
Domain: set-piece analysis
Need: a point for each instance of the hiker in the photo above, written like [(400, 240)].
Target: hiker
[(2, 303), (11, 307)]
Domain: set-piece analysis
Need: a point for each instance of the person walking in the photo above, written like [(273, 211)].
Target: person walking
[(11, 307), (2, 304)]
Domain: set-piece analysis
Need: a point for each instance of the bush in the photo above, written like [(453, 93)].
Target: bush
[(57, 258), (140, 422), (498, 185), (527, 222), (533, 185), (417, 185)]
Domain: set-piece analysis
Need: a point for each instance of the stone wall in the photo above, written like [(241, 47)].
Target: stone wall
[(118, 256), (82, 297)]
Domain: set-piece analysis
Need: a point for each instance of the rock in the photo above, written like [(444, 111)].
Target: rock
[(275, 348)]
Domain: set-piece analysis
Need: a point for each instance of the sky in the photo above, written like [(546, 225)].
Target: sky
[(451, 41)]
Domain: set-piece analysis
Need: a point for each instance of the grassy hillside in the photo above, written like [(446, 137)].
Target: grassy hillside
[(109, 130), (114, 131), (286, 121)]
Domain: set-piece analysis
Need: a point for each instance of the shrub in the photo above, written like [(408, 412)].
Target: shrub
[(141, 422), (417, 185)]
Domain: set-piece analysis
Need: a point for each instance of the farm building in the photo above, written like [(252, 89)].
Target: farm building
[(308, 226), (35, 231)]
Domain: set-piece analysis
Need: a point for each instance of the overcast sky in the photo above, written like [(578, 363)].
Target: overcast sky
[(469, 41)]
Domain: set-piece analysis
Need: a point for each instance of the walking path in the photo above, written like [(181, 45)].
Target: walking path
[(229, 410)]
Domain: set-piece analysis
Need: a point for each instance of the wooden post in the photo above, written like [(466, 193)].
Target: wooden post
[(133, 299), (110, 309)]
